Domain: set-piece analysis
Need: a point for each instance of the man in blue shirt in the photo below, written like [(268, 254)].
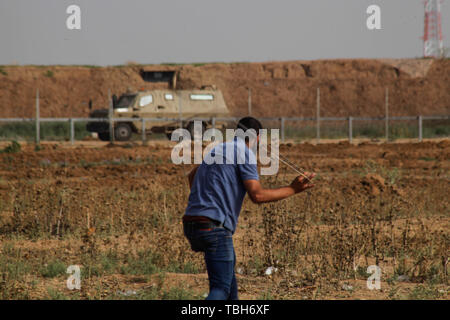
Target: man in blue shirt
[(218, 187)]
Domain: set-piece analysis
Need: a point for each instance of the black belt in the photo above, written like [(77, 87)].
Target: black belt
[(203, 223)]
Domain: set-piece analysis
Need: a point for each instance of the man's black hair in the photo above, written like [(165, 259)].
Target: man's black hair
[(249, 123)]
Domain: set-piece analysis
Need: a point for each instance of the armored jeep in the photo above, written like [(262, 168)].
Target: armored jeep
[(160, 104)]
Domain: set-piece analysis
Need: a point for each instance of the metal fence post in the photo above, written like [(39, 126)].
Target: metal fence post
[(180, 110), (318, 116), (350, 129), (282, 129), (38, 125), (420, 129), (72, 131), (110, 116), (143, 131), (387, 113), (249, 101), (213, 122)]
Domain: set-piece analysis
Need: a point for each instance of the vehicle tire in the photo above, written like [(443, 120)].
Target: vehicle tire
[(122, 132), (104, 136), (190, 128)]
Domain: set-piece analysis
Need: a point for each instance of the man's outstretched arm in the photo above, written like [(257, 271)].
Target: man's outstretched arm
[(260, 195)]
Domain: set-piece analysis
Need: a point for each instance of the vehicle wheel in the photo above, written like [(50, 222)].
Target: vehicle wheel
[(104, 136), (122, 132), (191, 129)]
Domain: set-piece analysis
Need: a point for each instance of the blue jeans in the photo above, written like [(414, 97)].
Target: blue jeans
[(220, 258)]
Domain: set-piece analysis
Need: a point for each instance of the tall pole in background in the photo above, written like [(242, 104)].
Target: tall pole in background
[(433, 44)]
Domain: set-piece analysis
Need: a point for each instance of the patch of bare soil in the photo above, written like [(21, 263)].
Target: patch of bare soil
[(116, 210), (348, 87)]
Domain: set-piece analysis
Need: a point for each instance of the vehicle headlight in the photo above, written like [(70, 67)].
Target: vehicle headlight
[(122, 109)]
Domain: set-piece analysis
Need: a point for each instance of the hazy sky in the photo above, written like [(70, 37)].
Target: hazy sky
[(157, 31)]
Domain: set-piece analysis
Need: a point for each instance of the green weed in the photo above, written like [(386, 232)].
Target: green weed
[(13, 147), (53, 269), (49, 74)]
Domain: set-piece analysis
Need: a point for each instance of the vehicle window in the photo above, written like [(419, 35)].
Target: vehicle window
[(168, 96), (125, 101), (145, 100), (202, 97)]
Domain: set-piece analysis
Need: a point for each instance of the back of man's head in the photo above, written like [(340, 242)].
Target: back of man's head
[(249, 123)]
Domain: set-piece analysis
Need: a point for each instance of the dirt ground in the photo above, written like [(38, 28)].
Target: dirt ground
[(116, 210), (349, 87)]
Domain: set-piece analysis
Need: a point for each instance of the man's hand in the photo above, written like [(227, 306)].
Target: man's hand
[(260, 195), (301, 183)]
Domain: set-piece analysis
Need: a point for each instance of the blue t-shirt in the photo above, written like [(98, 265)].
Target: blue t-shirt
[(218, 189)]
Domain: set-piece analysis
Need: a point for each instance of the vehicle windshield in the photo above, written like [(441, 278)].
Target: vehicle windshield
[(125, 101)]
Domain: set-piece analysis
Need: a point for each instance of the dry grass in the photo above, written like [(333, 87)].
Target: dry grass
[(122, 223)]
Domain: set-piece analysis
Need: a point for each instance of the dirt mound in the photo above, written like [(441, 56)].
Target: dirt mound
[(444, 144), (416, 68), (348, 87), (373, 183)]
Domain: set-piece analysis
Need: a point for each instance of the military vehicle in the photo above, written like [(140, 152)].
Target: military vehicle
[(160, 104)]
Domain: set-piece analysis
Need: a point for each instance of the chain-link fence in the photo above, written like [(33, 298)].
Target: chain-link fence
[(317, 127), (297, 129)]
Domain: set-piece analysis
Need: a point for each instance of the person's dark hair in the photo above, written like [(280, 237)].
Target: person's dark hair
[(249, 123)]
